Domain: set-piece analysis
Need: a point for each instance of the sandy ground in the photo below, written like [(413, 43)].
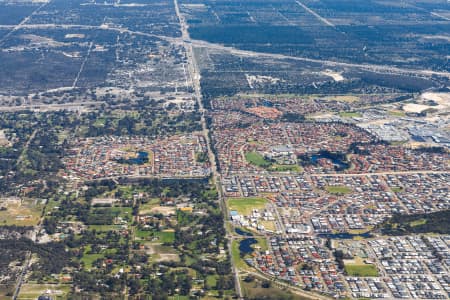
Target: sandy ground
[(335, 75), (415, 108), (443, 99), (163, 210)]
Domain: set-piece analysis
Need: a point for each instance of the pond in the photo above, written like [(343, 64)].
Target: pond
[(140, 159), (245, 246), (242, 232)]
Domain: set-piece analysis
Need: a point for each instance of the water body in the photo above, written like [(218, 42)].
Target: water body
[(345, 235), (140, 159), (267, 103), (245, 246), (242, 232), (339, 164)]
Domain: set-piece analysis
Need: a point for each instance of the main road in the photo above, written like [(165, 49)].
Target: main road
[(195, 76)]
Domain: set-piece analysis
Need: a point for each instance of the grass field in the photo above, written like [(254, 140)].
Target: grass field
[(397, 189), (418, 222), (33, 291), (146, 208), (397, 113), (236, 255), (262, 242), (104, 227), (285, 168), (165, 236), (341, 98), (257, 159), (211, 280), (338, 189), (143, 234), (361, 270), (244, 206), (348, 114), (25, 214), (269, 225), (88, 259)]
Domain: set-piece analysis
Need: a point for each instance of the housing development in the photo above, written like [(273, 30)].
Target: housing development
[(199, 149)]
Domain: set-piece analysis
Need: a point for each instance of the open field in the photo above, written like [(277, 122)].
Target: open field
[(33, 291), (361, 270), (338, 190), (236, 256), (257, 159), (244, 206), (26, 213), (350, 114), (285, 168)]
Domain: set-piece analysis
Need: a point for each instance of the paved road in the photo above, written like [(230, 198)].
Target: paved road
[(195, 76), (342, 174), (22, 276), (49, 107)]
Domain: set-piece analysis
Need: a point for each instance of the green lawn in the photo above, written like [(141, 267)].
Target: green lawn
[(244, 206), (142, 234), (33, 291), (397, 189), (166, 236), (418, 222), (338, 189), (349, 114), (211, 280), (88, 259), (257, 159), (147, 207), (262, 242), (104, 227), (236, 255), (361, 270), (397, 113), (24, 214), (285, 168)]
